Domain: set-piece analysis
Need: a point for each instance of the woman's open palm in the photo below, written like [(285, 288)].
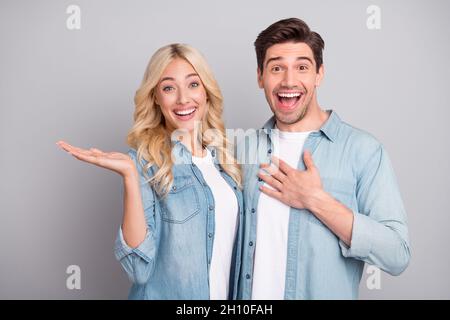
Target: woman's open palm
[(115, 161)]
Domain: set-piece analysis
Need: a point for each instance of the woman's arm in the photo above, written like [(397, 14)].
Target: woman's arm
[(134, 226)]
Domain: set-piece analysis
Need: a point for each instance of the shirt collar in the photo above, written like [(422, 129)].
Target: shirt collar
[(183, 155), (330, 128)]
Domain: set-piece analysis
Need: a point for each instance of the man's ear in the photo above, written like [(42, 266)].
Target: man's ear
[(320, 75), (259, 78)]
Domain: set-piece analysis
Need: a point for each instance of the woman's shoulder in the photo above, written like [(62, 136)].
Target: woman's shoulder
[(140, 163)]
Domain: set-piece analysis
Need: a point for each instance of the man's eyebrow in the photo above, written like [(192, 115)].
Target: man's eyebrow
[(173, 79), (272, 59), (305, 58), (280, 58)]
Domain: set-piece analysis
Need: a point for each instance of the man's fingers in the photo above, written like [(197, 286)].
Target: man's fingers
[(270, 181), (271, 193), (308, 160), (283, 166), (274, 171)]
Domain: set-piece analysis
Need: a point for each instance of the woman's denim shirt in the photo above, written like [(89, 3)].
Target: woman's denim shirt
[(174, 259)]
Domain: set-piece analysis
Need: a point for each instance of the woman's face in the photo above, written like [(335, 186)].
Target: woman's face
[(181, 95)]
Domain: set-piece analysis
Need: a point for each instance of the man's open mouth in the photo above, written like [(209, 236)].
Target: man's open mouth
[(288, 99)]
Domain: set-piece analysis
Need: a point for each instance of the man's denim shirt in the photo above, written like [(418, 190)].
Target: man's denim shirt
[(355, 169), (174, 259)]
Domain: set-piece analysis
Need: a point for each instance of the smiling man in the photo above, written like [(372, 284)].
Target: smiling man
[(322, 199)]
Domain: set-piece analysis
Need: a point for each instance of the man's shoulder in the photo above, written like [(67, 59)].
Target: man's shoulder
[(357, 138)]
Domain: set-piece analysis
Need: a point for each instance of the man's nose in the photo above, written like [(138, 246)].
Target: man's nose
[(289, 78)]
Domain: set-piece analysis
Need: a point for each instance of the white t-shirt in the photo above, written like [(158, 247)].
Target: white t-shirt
[(273, 225), (226, 215)]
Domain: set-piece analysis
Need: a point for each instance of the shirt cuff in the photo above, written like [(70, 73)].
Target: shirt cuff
[(361, 243), (144, 250)]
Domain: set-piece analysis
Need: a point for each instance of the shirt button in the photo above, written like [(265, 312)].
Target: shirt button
[(247, 276), (174, 188), (269, 151), (211, 208), (250, 243), (210, 235), (205, 184), (234, 187), (253, 210)]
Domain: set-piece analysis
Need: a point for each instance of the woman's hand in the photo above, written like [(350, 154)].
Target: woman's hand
[(115, 161)]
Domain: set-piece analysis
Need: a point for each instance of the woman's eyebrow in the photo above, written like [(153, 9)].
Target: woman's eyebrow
[(173, 79), (192, 75)]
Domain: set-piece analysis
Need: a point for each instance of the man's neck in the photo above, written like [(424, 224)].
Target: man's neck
[(313, 121)]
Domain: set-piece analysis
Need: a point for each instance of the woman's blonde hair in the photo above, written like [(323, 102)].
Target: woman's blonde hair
[(149, 134)]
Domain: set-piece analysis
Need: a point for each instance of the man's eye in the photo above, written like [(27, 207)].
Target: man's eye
[(276, 68), (303, 68)]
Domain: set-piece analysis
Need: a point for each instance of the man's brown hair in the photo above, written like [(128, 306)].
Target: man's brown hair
[(288, 30)]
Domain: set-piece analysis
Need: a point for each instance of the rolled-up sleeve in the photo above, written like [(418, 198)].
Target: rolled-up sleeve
[(138, 262), (380, 233)]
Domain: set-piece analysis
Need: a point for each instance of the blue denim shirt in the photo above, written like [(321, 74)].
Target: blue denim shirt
[(173, 260), (355, 170)]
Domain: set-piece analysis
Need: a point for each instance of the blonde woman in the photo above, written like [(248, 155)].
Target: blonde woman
[(179, 237)]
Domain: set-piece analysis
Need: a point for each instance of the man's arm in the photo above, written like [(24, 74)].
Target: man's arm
[(377, 234), (335, 215)]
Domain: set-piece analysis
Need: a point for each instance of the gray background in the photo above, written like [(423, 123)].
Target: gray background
[(79, 85)]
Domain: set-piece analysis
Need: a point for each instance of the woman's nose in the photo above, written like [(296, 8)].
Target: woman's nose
[(182, 97)]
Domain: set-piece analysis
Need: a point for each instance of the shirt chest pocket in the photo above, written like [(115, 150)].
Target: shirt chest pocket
[(181, 203), (340, 189)]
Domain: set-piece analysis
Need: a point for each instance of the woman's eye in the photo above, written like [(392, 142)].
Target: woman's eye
[(194, 84), (167, 89)]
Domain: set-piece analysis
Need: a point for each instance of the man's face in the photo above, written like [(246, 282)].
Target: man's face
[(289, 80)]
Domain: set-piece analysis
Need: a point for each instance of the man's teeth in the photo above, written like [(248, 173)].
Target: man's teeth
[(289, 95), (184, 112)]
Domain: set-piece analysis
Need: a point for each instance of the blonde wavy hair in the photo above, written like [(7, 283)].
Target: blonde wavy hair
[(149, 134)]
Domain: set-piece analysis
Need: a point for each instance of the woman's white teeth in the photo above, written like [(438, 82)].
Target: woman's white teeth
[(184, 112), (289, 95)]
